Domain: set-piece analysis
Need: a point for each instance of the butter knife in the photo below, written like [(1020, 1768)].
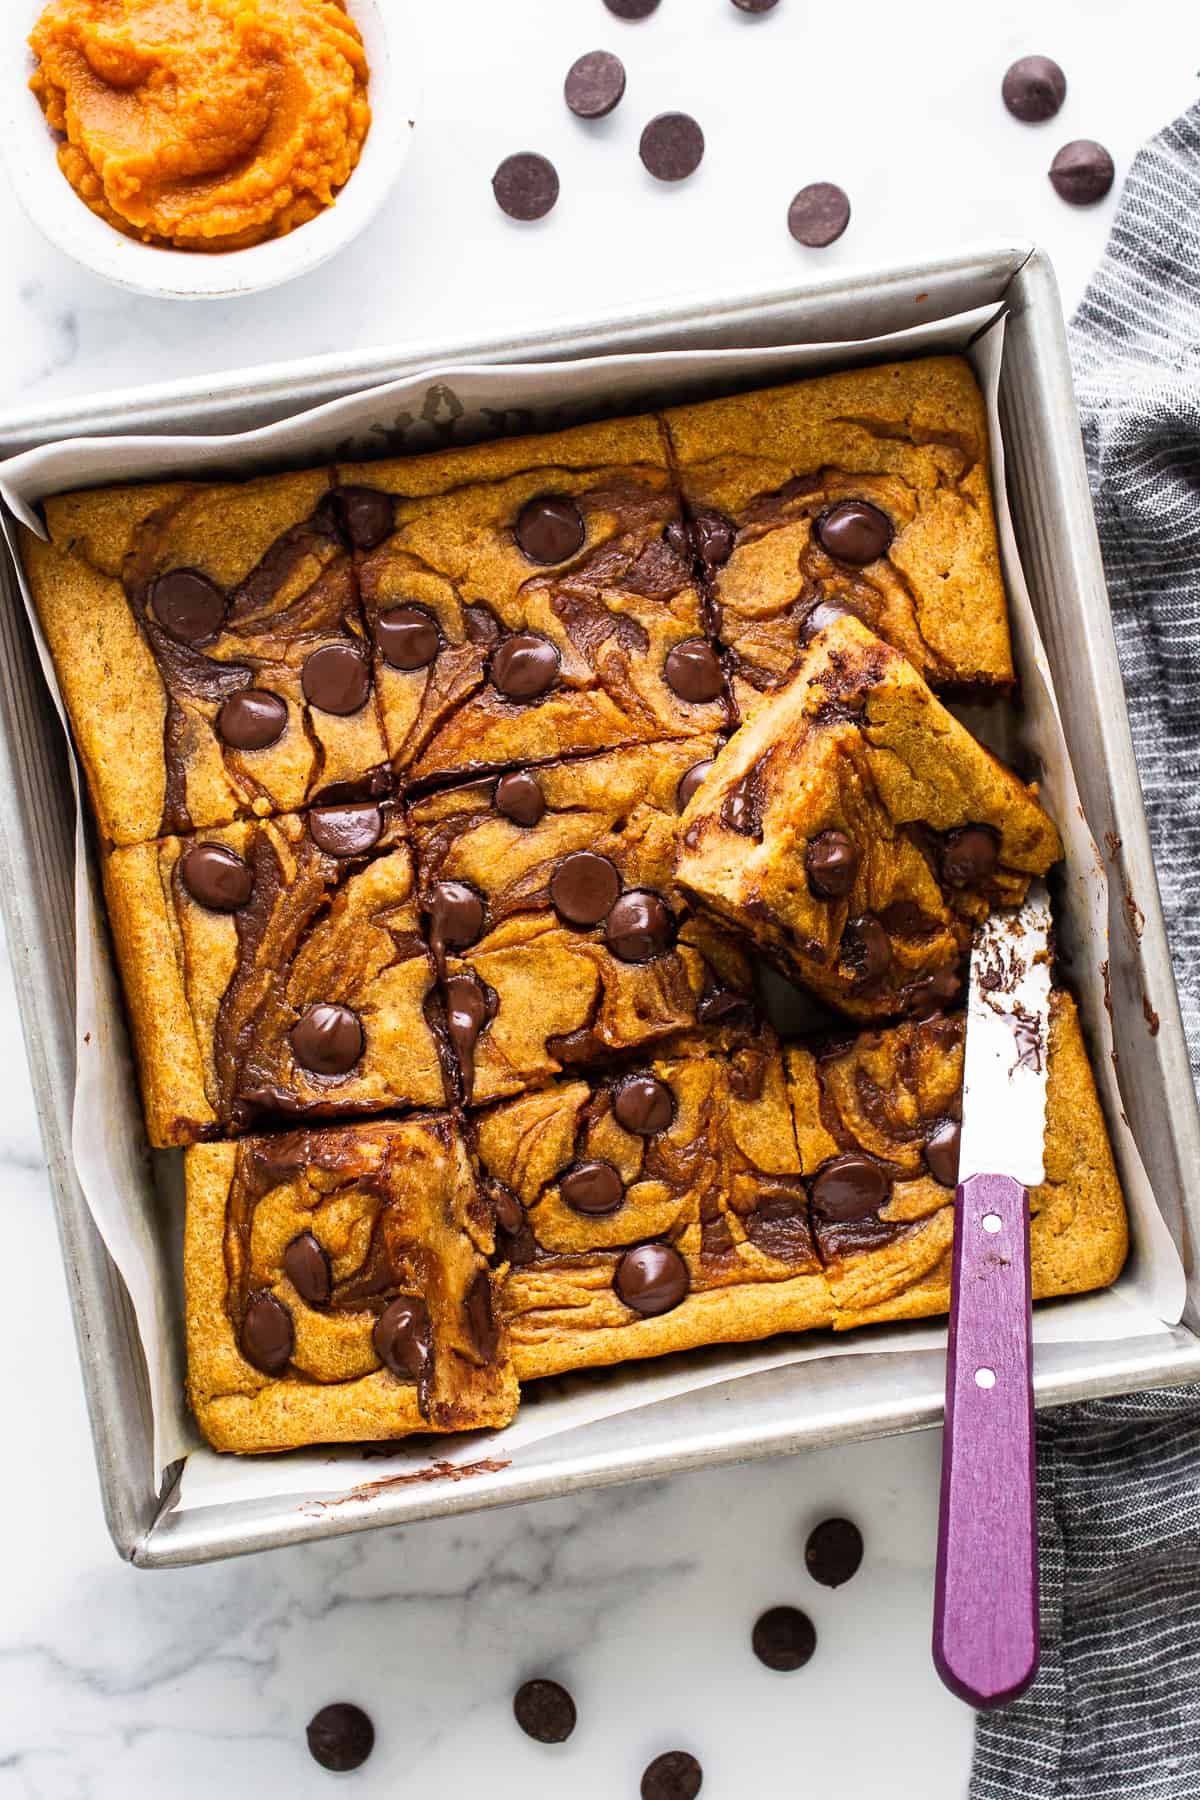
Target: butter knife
[(985, 1628)]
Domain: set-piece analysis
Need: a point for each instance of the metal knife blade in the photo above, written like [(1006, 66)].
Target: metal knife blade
[(1008, 1025)]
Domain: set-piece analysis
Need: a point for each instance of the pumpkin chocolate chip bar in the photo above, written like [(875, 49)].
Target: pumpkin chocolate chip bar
[(865, 492), (275, 967), (551, 908), (210, 651), (856, 832), (338, 1288), (531, 598)]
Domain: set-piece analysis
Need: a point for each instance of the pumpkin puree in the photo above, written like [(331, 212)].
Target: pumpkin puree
[(203, 124)]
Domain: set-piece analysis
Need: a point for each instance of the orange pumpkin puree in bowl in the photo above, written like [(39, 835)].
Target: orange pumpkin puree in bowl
[(203, 124)]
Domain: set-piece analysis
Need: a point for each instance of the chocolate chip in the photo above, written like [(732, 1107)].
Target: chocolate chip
[(651, 1279), (584, 887), (819, 214), (267, 1336), (678, 539), (466, 1015), (1033, 89), (824, 614), (216, 877), (525, 186), (550, 529), (592, 1188), (328, 1040), (855, 532), (755, 6), (632, 9), (784, 1638), (188, 606), (941, 1152), (850, 1187), (252, 719), (306, 1266), (693, 671), (336, 679), (594, 84), (969, 855), (408, 637), (509, 1213), (403, 1337), (742, 807), (1082, 172), (345, 830), (639, 927), (543, 1709), (676, 1775), (643, 1105), (713, 535), (573, 1048), (834, 1551), (525, 666), (690, 781), (456, 914), (481, 1316), (866, 948), (931, 992), (519, 797), (341, 1737), (672, 146), (366, 515), (831, 863)]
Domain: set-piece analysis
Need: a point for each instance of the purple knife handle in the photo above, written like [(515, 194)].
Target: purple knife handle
[(985, 1618)]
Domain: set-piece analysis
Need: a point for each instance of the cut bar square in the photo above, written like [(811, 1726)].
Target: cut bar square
[(338, 1288), (652, 1210), (856, 832), (867, 491), (554, 916), (530, 598), (275, 966), (877, 1124), (210, 651)]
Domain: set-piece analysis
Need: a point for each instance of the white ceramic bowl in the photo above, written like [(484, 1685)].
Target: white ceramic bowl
[(54, 207)]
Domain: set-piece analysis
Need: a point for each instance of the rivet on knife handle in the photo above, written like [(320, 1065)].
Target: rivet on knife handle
[(985, 1628)]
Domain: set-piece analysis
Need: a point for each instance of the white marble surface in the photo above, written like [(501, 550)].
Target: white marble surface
[(199, 1683)]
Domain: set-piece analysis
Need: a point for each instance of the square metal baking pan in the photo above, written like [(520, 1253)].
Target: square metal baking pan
[(767, 1413)]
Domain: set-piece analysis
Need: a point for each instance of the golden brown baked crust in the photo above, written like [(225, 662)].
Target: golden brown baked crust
[(889, 1095), (395, 1211), (857, 832), (146, 704), (908, 438), (613, 599), (557, 991), (215, 995), (719, 1186)]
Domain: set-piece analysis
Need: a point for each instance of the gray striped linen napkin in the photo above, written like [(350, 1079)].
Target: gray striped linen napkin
[(1115, 1710)]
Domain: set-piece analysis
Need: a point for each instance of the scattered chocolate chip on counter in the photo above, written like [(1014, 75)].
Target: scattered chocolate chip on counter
[(676, 1775), (818, 215), (525, 186), (544, 1710), (784, 1638), (756, 6), (834, 1551), (632, 9), (1082, 172), (341, 1737), (1033, 89), (672, 146), (594, 84)]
